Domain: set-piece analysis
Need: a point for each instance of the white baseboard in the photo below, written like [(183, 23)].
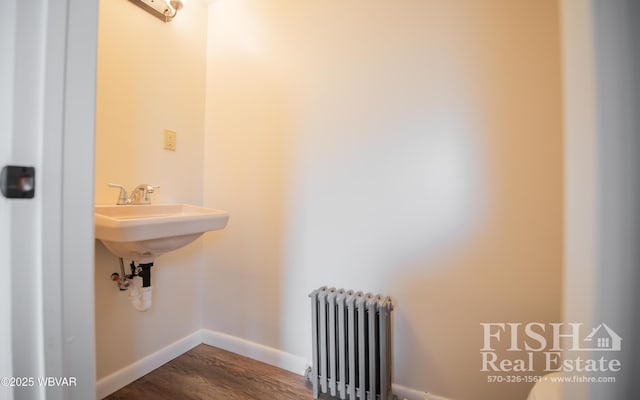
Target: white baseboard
[(436, 397), (405, 393), (246, 348), (256, 351), (140, 368)]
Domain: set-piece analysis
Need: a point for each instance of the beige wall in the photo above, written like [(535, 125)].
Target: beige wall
[(411, 148), (151, 76)]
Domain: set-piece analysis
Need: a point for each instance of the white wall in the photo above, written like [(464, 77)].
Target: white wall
[(617, 62), (601, 99), (151, 76), (413, 149)]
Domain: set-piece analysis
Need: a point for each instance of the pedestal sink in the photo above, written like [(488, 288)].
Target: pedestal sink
[(141, 233)]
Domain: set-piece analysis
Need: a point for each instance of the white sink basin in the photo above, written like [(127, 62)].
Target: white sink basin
[(143, 232)]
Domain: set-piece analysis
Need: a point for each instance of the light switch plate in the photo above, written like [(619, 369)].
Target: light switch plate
[(169, 140)]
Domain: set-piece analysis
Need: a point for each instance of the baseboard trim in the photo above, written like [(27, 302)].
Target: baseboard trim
[(256, 351), (436, 397), (140, 368), (405, 393), (278, 358)]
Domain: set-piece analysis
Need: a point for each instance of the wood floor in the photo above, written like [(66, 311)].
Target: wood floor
[(207, 372)]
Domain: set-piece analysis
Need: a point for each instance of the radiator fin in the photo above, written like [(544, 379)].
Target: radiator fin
[(351, 336)]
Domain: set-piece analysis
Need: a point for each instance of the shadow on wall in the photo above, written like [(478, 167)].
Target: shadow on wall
[(409, 213), (418, 159)]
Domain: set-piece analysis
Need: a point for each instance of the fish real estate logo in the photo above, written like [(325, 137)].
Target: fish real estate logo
[(592, 352)]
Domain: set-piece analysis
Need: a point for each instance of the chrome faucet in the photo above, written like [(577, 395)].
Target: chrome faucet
[(139, 195)]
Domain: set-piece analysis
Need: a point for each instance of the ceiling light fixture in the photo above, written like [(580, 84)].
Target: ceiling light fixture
[(162, 9)]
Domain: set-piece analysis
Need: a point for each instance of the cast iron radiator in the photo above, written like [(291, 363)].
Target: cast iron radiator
[(351, 344)]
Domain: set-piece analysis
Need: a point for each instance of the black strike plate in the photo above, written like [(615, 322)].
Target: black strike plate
[(17, 182)]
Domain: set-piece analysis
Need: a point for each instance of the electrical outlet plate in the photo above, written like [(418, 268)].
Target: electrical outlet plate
[(169, 140)]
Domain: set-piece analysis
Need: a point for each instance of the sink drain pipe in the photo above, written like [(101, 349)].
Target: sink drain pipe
[(139, 296), (145, 274)]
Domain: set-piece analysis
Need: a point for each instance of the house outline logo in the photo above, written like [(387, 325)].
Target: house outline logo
[(603, 338)]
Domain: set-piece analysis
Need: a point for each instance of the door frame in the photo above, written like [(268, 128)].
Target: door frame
[(48, 122), (71, 55)]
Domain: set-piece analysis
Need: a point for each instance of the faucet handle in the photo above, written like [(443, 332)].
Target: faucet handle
[(140, 195), (149, 189), (122, 197)]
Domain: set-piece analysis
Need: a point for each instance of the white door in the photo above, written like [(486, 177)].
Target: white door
[(7, 25), (47, 108)]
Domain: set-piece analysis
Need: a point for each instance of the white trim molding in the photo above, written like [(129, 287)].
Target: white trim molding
[(243, 347), (140, 368), (405, 393), (255, 351)]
